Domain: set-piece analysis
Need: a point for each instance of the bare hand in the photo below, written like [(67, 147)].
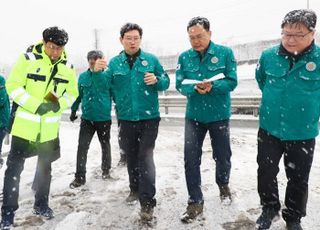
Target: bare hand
[(204, 87), (150, 79), (208, 86), (200, 88), (99, 65)]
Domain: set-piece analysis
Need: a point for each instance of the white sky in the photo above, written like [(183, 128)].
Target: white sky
[(164, 22)]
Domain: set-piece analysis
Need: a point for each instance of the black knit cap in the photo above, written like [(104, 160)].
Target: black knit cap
[(56, 35), (304, 16), (94, 54)]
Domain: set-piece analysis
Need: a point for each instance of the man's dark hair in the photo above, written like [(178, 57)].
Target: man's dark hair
[(95, 54), (56, 35), (304, 16), (128, 27), (202, 21)]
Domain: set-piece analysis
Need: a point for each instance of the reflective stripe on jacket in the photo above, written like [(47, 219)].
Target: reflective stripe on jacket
[(31, 79)]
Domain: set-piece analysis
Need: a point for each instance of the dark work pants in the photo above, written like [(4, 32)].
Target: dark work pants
[(87, 130), (195, 133), (20, 150), (3, 133), (122, 154), (137, 140), (298, 156)]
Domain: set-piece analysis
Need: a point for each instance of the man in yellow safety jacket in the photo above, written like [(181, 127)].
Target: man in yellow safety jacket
[(42, 84)]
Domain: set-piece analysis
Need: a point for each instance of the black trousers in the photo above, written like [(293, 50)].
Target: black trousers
[(298, 156), (122, 154), (87, 130), (137, 140), (20, 150)]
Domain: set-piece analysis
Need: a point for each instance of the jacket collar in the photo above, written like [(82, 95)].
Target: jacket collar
[(283, 52), (38, 49), (123, 56), (210, 50)]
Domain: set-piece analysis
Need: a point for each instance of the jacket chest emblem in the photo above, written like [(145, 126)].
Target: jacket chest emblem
[(144, 63), (311, 66), (214, 60)]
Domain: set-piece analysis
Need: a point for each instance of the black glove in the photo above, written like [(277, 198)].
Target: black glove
[(73, 116), (47, 107), (55, 106)]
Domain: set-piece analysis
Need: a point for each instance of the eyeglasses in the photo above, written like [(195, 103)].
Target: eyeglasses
[(53, 47), (131, 39), (197, 37), (296, 37)]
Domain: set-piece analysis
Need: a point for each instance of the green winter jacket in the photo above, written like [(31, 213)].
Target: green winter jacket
[(4, 105), (215, 105), (133, 98), (94, 96), (290, 104)]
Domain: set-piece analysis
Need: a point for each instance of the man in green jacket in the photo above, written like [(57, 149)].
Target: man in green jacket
[(4, 114), (289, 78), (94, 95), (206, 74), (137, 76), (43, 84)]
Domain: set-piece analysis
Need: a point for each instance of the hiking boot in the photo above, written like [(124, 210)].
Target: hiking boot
[(146, 213), (265, 219), (106, 174), (43, 211), (7, 220), (294, 226), (193, 210), (123, 160), (77, 182), (132, 198), (225, 193)]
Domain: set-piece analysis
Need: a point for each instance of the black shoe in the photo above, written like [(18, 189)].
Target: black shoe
[(146, 213), (5, 225), (193, 210), (225, 194), (294, 226), (265, 219), (106, 174), (122, 161), (132, 198), (7, 221), (44, 211), (77, 182)]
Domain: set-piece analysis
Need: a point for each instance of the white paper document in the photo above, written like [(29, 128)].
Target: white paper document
[(192, 81)]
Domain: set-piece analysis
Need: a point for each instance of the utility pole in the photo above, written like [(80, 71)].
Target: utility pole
[(96, 38), (307, 4)]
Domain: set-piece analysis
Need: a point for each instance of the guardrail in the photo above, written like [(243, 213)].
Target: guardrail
[(239, 104)]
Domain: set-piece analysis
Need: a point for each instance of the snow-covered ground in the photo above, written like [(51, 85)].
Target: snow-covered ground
[(100, 204)]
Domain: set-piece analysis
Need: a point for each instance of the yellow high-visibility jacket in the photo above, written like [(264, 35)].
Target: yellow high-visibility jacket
[(31, 79)]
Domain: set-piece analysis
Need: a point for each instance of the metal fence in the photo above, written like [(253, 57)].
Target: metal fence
[(239, 104)]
